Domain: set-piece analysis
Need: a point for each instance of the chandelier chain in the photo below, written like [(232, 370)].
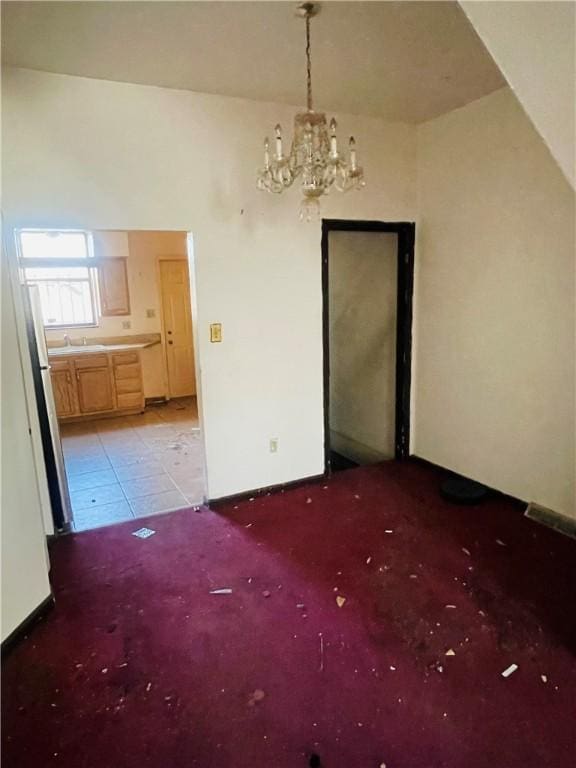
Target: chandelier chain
[(314, 156), (308, 64)]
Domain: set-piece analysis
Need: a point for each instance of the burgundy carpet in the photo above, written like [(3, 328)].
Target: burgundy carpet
[(139, 665)]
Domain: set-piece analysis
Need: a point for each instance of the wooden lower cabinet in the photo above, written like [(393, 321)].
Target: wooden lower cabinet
[(95, 390), (127, 379), (97, 385), (63, 388)]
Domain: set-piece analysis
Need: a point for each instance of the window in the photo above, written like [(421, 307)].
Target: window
[(60, 264)]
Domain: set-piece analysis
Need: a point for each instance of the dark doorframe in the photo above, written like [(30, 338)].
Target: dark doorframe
[(406, 234)]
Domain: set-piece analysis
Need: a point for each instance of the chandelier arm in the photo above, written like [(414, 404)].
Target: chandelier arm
[(308, 64)]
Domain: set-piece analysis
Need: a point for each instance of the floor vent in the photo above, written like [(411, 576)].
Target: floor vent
[(552, 519), (156, 400)]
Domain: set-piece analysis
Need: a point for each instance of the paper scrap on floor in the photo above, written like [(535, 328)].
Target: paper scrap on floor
[(143, 533)]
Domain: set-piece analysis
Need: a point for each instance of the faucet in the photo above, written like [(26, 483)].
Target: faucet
[(66, 340)]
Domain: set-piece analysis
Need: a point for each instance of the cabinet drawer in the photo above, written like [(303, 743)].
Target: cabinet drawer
[(129, 371), (123, 386), (121, 358), (91, 361), (130, 400), (59, 365)]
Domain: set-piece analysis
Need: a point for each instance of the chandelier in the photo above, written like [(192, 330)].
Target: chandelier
[(314, 154)]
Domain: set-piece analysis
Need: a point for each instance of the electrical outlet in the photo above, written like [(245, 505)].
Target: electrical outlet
[(273, 445), (150, 313), (126, 324)]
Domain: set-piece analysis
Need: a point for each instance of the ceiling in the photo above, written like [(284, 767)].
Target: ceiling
[(404, 61)]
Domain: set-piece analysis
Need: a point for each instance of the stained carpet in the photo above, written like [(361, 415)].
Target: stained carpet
[(369, 624)]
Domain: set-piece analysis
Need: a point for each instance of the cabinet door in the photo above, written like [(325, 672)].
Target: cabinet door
[(95, 392), (63, 389), (113, 287)]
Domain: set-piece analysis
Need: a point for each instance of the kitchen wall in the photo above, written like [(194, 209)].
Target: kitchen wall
[(495, 343), (102, 155), (141, 250), (362, 270)]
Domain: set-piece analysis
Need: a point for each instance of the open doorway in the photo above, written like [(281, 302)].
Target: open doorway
[(112, 347), (367, 283)]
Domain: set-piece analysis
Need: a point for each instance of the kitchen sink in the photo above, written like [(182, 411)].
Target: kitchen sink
[(74, 349)]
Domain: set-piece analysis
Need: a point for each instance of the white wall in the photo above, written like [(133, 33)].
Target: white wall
[(24, 558), (362, 270), (533, 43), (495, 286), (101, 155)]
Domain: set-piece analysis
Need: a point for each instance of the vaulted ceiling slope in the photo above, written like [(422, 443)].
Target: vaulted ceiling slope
[(534, 46), (403, 61)]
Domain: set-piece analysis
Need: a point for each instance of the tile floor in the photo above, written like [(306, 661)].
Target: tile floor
[(132, 466)]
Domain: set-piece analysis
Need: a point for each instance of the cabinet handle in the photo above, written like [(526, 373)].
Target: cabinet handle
[(170, 341)]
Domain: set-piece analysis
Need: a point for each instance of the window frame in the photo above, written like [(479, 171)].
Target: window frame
[(89, 262)]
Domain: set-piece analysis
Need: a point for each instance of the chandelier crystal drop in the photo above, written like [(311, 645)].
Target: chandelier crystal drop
[(314, 155)]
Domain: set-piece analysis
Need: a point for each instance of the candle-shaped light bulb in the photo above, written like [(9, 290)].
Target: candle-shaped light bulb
[(278, 130), (266, 154), (333, 144), (352, 154)]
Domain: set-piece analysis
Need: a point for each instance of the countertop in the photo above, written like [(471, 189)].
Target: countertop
[(92, 349)]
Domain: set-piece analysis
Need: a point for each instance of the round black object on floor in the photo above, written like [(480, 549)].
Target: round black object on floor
[(460, 490)]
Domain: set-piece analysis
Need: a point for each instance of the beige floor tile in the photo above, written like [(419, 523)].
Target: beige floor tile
[(84, 454), (145, 468), (129, 449), (77, 429), (78, 452), (92, 480), (187, 472), (110, 425), (88, 440), (157, 457), (81, 466), (167, 443), (121, 439), (87, 498), (142, 419), (146, 486), (192, 488), (107, 514), (181, 464), (158, 502), (195, 499), (123, 458)]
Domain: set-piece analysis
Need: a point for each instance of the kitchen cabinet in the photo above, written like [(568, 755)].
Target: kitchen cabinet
[(94, 385), (63, 388), (113, 287), (127, 379)]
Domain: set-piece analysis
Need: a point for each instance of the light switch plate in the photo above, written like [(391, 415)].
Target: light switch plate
[(215, 332)]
